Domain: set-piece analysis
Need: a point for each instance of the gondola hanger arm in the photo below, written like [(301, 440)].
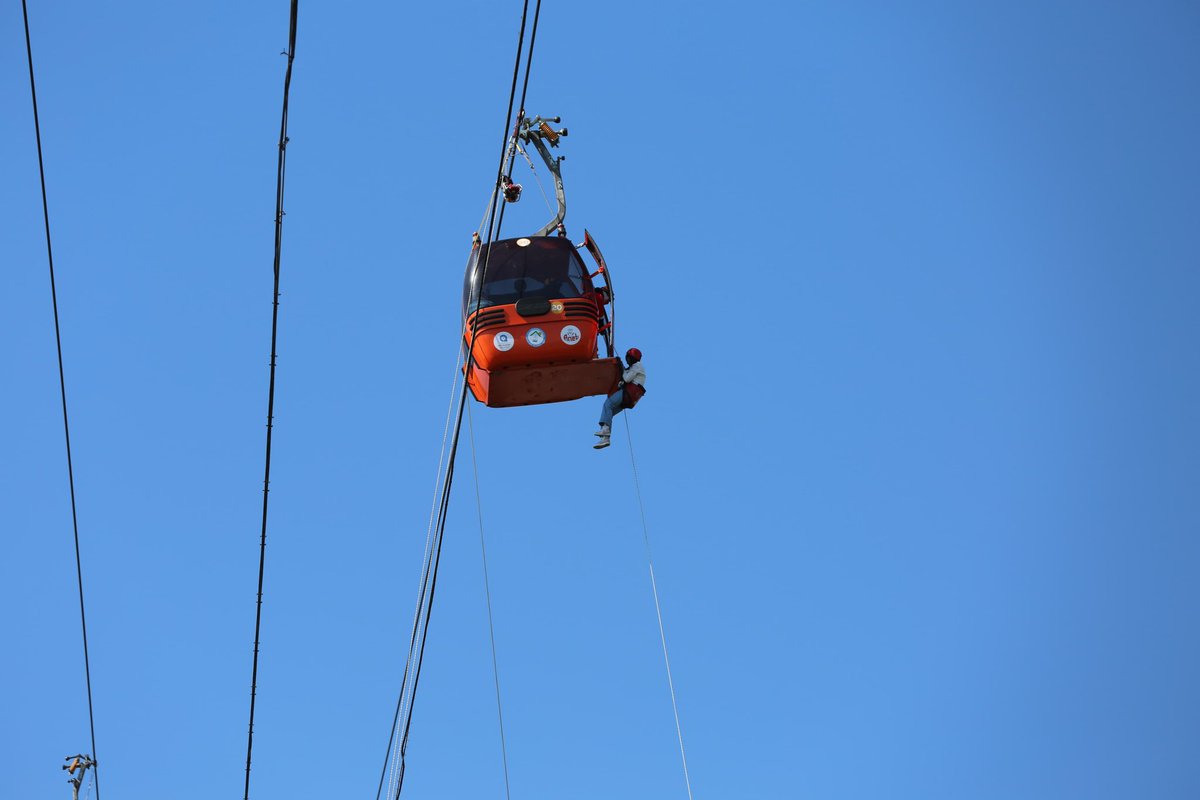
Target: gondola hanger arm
[(537, 131)]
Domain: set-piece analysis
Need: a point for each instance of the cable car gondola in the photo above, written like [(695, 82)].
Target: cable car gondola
[(533, 316)]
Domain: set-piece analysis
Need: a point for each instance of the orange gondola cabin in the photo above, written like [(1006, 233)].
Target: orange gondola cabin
[(533, 315)]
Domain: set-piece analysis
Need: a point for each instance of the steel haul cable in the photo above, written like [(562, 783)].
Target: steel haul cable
[(62, 383), (398, 744), (262, 552), (424, 560)]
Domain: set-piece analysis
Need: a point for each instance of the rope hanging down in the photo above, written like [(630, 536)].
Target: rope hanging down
[(662, 634), (401, 728), (262, 552), (62, 384), (487, 593)]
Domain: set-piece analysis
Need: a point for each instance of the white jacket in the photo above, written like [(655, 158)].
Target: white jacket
[(635, 374)]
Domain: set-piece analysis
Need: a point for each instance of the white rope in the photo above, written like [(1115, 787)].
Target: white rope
[(488, 594), (394, 769), (657, 607), (486, 210), (508, 155), (536, 179)]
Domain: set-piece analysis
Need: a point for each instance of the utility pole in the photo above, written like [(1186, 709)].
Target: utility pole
[(77, 763)]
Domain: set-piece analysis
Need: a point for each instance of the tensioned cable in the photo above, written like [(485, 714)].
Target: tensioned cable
[(487, 591), (262, 551), (657, 606), (416, 655), (537, 12), (62, 384), (511, 157), (424, 561)]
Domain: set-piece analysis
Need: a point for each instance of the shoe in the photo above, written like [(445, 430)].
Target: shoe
[(603, 443), (605, 430)]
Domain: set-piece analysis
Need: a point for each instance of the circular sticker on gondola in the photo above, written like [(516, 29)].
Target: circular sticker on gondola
[(571, 335), (503, 341), (536, 337), (556, 307)]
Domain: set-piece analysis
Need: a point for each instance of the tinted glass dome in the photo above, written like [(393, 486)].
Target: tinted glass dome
[(529, 267)]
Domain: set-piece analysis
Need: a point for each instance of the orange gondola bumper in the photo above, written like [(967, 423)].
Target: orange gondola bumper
[(544, 383)]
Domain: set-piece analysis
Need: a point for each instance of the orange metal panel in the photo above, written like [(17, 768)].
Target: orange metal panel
[(548, 383), (563, 335)]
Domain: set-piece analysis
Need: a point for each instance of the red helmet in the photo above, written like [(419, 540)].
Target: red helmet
[(633, 355)]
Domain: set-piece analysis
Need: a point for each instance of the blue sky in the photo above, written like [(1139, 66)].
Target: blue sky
[(916, 289)]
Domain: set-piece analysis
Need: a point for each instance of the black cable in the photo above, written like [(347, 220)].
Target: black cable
[(262, 553), (62, 384), (507, 168), (537, 11), (430, 571)]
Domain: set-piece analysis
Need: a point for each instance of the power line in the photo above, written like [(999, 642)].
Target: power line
[(62, 383), (262, 553)]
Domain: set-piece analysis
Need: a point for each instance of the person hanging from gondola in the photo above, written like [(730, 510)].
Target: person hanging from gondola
[(630, 390)]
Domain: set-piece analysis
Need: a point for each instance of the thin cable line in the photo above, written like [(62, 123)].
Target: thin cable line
[(537, 179), (62, 384), (439, 538), (511, 154), (658, 607), (387, 756), (429, 578), (487, 590), (262, 552), (537, 12)]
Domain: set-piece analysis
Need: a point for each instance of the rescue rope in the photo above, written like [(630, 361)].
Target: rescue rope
[(657, 606), (537, 179), (486, 211), (487, 591), (62, 384), (262, 552)]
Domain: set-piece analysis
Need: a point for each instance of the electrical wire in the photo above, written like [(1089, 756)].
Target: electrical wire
[(657, 606), (62, 384), (262, 552)]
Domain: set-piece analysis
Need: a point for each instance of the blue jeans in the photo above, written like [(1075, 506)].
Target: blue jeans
[(613, 405)]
